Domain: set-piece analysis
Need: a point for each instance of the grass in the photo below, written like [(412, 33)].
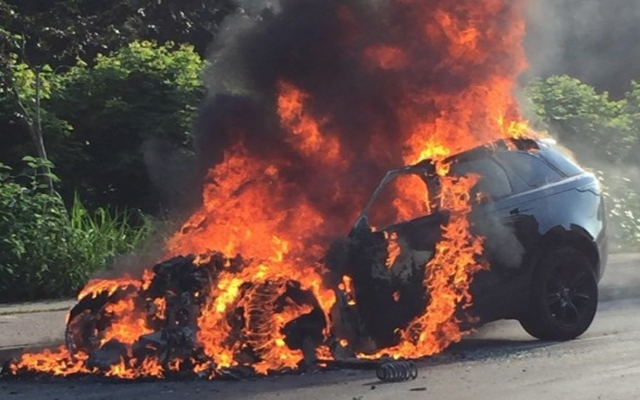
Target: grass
[(102, 235), (49, 251)]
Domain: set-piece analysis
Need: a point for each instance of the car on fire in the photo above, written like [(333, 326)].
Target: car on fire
[(542, 223), (542, 220)]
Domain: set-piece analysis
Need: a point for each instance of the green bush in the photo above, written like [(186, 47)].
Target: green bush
[(604, 133), (623, 210), (47, 251), (143, 96), (577, 115), (112, 126)]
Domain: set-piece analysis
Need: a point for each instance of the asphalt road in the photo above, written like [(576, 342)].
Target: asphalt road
[(498, 362)]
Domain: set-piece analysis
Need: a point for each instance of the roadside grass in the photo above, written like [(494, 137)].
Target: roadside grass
[(48, 251), (101, 235)]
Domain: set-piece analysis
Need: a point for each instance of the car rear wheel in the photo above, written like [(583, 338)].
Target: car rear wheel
[(564, 296)]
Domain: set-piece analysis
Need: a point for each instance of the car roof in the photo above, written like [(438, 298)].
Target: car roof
[(521, 144)]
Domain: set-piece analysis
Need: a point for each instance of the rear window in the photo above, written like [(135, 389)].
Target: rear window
[(530, 168), (493, 183), (560, 161)]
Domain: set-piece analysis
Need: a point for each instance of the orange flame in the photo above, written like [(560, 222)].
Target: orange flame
[(393, 249), (252, 206), (347, 287), (448, 276), (129, 323), (59, 362), (307, 136), (96, 287)]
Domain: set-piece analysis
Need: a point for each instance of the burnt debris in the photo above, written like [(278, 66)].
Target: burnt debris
[(172, 302)]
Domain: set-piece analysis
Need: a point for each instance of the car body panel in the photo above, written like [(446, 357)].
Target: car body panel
[(519, 229)]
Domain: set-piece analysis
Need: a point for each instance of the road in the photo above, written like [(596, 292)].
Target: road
[(498, 362)]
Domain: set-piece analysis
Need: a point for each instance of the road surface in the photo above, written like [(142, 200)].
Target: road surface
[(498, 362)]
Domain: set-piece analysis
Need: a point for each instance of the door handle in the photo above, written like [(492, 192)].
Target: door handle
[(517, 211)]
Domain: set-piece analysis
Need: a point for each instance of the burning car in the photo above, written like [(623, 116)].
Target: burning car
[(527, 242), (312, 102), (543, 226)]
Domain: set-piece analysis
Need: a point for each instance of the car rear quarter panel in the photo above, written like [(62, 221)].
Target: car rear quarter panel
[(574, 205), (553, 215)]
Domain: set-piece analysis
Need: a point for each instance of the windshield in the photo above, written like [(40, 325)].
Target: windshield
[(403, 195)]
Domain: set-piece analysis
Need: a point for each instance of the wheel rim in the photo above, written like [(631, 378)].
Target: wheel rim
[(570, 294)]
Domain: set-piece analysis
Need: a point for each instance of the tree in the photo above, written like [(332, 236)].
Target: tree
[(604, 135), (59, 32), (139, 100), (581, 117), (22, 89), (633, 106)]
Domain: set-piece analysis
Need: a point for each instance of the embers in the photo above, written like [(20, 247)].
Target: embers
[(154, 321), (151, 328)]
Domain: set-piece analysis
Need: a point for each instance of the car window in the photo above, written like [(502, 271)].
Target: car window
[(493, 183), (403, 199), (560, 161), (530, 168)]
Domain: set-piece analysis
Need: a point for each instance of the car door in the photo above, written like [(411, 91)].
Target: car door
[(495, 215), (529, 209)]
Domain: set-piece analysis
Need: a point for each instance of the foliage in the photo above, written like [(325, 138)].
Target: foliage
[(605, 134), (77, 43), (21, 112), (578, 115), (98, 119), (144, 93), (633, 111), (59, 32), (101, 235), (623, 205), (46, 251)]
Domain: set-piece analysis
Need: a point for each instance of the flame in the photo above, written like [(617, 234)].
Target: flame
[(129, 322), (411, 198), (448, 276), (396, 296), (447, 71), (149, 368), (324, 352), (387, 57), (96, 287), (306, 133), (393, 248), (58, 362), (263, 327), (346, 286)]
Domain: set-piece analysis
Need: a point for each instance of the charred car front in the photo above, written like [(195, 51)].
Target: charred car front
[(543, 223)]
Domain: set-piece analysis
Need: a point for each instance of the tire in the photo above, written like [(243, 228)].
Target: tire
[(564, 296), (87, 318)]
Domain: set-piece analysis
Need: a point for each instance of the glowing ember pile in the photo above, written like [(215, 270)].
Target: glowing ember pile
[(324, 96)]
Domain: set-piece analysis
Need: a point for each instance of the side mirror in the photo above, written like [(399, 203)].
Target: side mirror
[(362, 224)]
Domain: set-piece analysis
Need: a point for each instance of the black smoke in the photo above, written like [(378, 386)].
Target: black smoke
[(320, 46)]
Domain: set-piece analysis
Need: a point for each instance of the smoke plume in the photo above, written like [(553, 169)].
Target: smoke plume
[(378, 81), (593, 40)]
